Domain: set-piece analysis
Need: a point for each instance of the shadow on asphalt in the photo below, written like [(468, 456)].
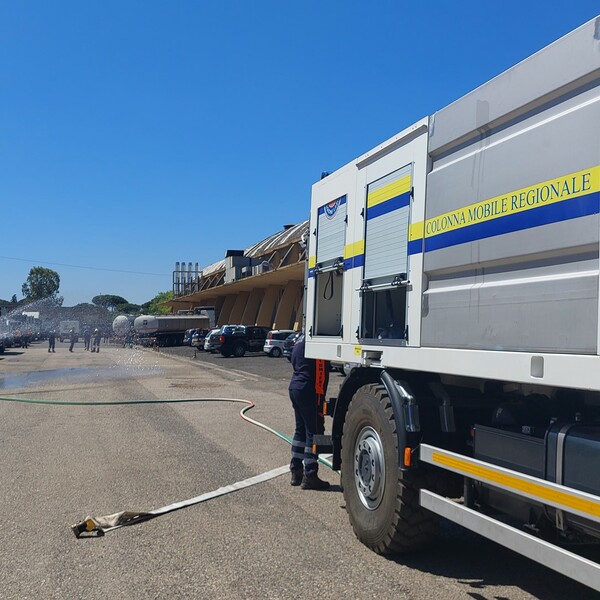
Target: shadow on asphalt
[(479, 564)]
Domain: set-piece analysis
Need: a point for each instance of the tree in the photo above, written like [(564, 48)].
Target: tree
[(109, 301), (155, 305), (14, 299), (41, 283), (129, 309)]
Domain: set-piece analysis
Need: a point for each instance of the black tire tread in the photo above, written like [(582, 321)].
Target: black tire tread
[(412, 526)]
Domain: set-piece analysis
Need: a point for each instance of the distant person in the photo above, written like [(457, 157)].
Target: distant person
[(72, 339), (96, 338), (24, 340), (87, 336), (51, 341)]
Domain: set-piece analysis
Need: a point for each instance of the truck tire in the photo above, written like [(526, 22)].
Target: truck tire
[(239, 350), (381, 500)]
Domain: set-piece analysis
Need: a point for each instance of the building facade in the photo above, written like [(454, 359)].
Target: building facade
[(261, 285)]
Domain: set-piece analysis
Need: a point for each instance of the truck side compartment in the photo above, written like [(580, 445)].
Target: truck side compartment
[(456, 266)]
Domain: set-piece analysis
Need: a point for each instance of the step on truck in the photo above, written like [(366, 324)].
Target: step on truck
[(455, 266)]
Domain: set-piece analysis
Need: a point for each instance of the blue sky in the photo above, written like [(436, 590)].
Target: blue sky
[(134, 134)]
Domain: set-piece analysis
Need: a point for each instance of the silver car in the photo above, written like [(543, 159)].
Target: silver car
[(274, 342), (212, 341)]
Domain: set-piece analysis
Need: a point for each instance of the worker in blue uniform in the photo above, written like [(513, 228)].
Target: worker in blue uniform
[(309, 421), (52, 341), (72, 339)]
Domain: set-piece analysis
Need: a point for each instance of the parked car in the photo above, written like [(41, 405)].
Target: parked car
[(212, 342), (274, 342), (236, 340), (198, 338), (187, 336), (289, 343)]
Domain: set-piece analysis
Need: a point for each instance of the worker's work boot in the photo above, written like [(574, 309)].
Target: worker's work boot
[(297, 476), (311, 481)]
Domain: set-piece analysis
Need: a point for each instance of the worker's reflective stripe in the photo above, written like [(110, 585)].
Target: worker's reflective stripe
[(546, 492)]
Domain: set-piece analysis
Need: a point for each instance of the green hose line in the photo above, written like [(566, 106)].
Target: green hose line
[(99, 526), (249, 406)]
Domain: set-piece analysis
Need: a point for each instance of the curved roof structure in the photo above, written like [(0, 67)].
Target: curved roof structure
[(291, 234), (261, 285)]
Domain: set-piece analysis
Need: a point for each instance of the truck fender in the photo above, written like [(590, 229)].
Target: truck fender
[(406, 415), (404, 406), (351, 384)]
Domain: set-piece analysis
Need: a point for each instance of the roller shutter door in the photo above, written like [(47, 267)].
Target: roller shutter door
[(387, 216), (331, 231)]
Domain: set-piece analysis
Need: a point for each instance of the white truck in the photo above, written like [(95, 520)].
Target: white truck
[(456, 266)]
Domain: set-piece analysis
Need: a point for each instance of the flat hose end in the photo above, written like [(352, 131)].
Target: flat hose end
[(86, 528)]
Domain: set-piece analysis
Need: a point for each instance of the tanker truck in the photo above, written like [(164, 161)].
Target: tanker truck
[(167, 330), (123, 326), (456, 268)]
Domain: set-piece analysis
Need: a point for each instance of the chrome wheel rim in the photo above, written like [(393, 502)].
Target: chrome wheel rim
[(369, 468)]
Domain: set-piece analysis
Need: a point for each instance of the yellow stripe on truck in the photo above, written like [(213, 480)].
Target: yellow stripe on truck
[(355, 249), (536, 490), (560, 189), (397, 188)]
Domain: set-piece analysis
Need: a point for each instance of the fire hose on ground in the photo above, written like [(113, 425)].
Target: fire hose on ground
[(98, 526)]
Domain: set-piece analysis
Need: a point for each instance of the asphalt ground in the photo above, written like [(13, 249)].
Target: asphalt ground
[(257, 363), (60, 464)]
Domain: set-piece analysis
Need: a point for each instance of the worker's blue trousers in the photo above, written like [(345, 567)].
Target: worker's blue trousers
[(308, 423)]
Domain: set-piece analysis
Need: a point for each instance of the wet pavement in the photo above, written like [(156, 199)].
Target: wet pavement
[(61, 463), (72, 375)]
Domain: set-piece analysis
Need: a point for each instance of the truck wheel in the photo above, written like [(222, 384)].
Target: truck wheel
[(381, 500), (239, 350), (276, 352)]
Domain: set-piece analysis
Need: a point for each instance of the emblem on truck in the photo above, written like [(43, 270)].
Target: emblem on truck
[(331, 208)]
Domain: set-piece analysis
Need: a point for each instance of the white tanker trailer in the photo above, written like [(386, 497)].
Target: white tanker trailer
[(168, 330), (122, 326)]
